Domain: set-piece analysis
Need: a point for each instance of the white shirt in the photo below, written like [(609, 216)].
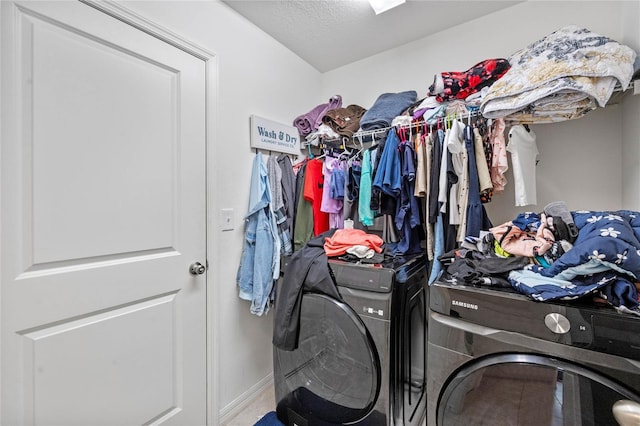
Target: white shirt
[(524, 152)]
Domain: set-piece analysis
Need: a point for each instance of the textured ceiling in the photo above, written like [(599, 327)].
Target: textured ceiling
[(331, 33)]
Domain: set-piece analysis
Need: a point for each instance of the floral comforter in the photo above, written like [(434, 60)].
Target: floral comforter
[(561, 76), (605, 258)]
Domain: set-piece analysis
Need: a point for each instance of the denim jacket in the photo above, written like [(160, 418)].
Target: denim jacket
[(259, 251)]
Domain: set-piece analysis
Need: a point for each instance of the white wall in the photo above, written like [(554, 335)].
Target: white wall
[(580, 161), (256, 75)]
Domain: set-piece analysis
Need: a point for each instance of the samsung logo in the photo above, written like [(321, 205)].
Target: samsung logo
[(464, 305)]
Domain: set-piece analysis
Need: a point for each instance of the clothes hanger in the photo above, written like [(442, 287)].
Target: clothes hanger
[(358, 153), (346, 153), (321, 156), (400, 131), (447, 122)]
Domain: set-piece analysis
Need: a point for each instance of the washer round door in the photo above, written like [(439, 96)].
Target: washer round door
[(334, 374), (526, 389)]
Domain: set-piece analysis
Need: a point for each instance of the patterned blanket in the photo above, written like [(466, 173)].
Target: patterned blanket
[(564, 75), (605, 257)]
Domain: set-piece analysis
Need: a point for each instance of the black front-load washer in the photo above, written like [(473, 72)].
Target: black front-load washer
[(361, 360), (499, 358)]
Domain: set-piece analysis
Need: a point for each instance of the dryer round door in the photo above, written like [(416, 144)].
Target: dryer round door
[(334, 374), (527, 389)]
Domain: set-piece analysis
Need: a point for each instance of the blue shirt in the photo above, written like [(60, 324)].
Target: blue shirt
[(388, 178)]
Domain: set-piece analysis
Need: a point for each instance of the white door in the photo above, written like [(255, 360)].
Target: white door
[(103, 212)]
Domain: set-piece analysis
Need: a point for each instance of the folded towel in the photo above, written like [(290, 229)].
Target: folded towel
[(386, 108), (309, 122)]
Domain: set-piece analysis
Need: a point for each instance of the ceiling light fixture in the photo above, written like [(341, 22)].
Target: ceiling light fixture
[(380, 6)]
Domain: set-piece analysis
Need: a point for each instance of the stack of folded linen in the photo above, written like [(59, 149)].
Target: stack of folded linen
[(561, 76)]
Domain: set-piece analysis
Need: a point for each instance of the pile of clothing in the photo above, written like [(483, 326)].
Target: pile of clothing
[(557, 255), (450, 85), (560, 77), (354, 245), (331, 121)]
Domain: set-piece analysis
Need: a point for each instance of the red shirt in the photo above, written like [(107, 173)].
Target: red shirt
[(313, 184)]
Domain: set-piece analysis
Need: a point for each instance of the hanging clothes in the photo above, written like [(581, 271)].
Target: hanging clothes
[(434, 187), (438, 249), (330, 205), (364, 198), (524, 152), (435, 215), (423, 147), (459, 185), (429, 142), (499, 162), (260, 258), (443, 193), (288, 189), (450, 179), (353, 172), (422, 173), (313, 188), (423, 187), (407, 216), (477, 218), (484, 178), (274, 174), (303, 222), (388, 178)]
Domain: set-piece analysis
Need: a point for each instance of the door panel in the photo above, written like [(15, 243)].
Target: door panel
[(103, 211), (134, 341), (122, 213)]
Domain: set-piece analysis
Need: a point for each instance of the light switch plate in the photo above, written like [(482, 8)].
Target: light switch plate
[(226, 220)]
